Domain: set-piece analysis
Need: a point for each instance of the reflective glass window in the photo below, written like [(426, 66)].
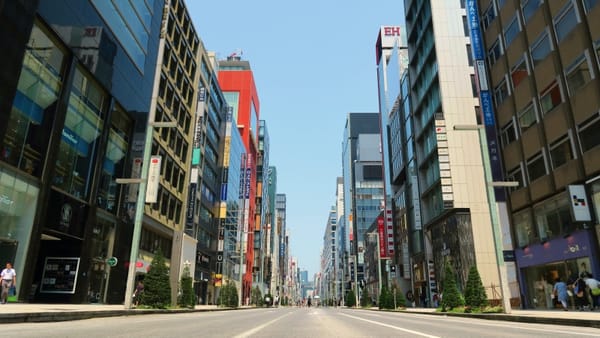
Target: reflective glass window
[(511, 31), (540, 48), (83, 126), (550, 97), (114, 159), (32, 114), (527, 118), (561, 152), (519, 72), (129, 22), (529, 8), (536, 167), (578, 74), (565, 21)]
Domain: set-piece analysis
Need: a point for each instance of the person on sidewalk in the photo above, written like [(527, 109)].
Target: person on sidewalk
[(9, 279), (594, 287), (580, 294), (137, 294), (560, 291)]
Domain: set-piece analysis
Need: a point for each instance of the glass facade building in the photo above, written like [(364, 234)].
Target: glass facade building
[(65, 138)]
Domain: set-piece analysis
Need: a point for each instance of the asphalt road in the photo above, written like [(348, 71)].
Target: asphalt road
[(291, 322)]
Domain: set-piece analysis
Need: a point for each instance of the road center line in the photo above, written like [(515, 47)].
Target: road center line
[(260, 327), (391, 326)]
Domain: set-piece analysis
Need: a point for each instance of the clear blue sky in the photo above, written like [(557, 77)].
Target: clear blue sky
[(313, 62)]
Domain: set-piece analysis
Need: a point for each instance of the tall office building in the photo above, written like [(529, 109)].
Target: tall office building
[(454, 204), (76, 86), (363, 185), (392, 60), (237, 82), (262, 213), (543, 62), (165, 220), (329, 258)]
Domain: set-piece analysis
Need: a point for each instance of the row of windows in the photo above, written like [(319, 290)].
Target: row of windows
[(546, 220), (556, 154), (576, 76)]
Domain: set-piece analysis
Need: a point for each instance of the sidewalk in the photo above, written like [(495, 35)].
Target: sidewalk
[(32, 312), (556, 317)]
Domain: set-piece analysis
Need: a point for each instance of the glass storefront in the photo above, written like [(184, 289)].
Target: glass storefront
[(18, 199), (540, 280), (26, 140), (80, 136)]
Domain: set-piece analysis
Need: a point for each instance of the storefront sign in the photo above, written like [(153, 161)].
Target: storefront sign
[(579, 203), (559, 249), (60, 275), (153, 179)]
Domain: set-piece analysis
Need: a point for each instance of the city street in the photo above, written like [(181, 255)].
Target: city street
[(292, 322)]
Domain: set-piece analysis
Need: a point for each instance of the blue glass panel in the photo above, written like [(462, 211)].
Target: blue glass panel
[(133, 22), (143, 12), (119, 28), (28, 107)]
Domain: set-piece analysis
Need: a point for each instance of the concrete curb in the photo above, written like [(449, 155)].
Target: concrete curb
[(60, 316)]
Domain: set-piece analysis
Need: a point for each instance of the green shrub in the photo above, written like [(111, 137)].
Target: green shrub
[(451, 297), (351, 299), (187, 297), (475, 295), (400, 299), (365, 300), (256, 298), (228, 297), (157, 288), (386, 299)]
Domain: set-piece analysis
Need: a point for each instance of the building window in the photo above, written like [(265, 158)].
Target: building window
[(488, 16), (511, 31), (80, 136), (30, 120), (495, 52), (540, 48), (508, 134), (553, 217), (465, 25), (524, 229), (527, 117), (470, 55), (565, 21), (589, 4), (561, 152), (550, 97), (589, 137), (529, 8), (578, 74), (516, 175), (501, 92), (597, 49), (519, 72), (536, 167)]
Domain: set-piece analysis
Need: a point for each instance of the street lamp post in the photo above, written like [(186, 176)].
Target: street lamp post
[(496, 233), (147, 153)]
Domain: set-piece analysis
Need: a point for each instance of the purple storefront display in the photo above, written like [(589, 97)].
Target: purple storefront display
[(570, 247)]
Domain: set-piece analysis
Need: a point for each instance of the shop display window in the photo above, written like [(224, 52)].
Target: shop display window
[(32, 114), (80, 135)]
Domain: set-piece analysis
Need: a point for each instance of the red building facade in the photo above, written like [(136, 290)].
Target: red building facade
[(237, 83)]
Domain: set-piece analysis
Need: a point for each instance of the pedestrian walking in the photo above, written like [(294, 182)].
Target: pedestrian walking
[(560, 292), (594, 287), (9, 280), (137, 294)]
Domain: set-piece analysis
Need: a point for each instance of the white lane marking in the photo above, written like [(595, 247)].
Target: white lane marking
[(391, 326), (486, 322), (512, 325), (260, 327)]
